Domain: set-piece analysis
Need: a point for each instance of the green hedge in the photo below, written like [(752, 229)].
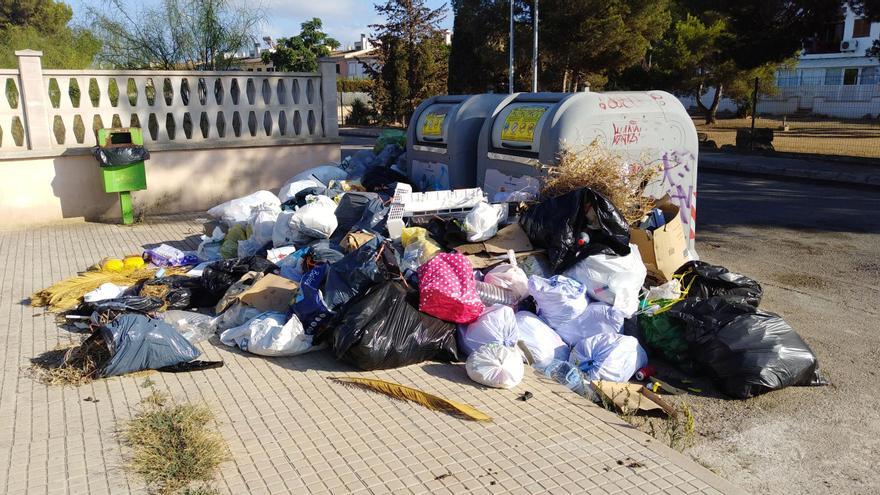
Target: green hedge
[(354, 85)]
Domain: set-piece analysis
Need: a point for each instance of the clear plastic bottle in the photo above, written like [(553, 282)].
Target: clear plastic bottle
[(492, 294), (569, 375)]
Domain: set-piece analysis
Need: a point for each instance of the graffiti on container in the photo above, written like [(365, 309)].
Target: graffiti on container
[(618, 102), (658, 98), (626, 133), (676, 167)]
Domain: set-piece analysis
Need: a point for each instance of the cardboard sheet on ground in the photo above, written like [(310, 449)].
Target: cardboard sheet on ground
[(491, 252), (633, 397), (270, 293)]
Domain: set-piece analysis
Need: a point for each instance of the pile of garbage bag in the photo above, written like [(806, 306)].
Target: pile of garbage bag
[(554, 287)]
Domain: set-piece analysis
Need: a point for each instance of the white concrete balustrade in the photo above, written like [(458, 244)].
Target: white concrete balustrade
[(229, 132)]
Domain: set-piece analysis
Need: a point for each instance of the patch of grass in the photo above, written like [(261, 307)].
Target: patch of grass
[(76, 365), (676, 431), (173, 446)]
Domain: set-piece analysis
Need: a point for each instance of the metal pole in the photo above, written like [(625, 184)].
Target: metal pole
[(535, 49), (510, 46), (754, 111)]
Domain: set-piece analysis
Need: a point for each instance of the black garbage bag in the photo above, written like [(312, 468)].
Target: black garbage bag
[(138, 342), (374, 218), (383, 329), (747, 350), (184, 292), (138, 304), (575, 225), (218, 276), (321, 252), (707, 281), (349, 212), (360, 269), (123, 155), (383, 180)]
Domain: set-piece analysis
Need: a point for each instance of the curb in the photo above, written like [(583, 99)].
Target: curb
[(830, 176)]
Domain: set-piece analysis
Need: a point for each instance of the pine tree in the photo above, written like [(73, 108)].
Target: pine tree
[(413, 60)]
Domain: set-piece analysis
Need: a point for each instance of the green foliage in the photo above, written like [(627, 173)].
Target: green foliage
[(413, 58), (581, 41), (361, 113), (300, 53), (176, 34), (354, 85), (44, 25)]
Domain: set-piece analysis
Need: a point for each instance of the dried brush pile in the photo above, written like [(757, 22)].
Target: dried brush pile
[(605, 172), (174, 445), (75, 365)]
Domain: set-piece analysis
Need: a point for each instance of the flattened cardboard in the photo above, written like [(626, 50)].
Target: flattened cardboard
[(628, 397), (270, 293), (665, 249), (485, 254)]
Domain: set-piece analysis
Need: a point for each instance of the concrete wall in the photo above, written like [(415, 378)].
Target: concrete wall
[(49, 189)]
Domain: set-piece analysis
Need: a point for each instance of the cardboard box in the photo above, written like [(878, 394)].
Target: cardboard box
[(665, 249), (270, 293)]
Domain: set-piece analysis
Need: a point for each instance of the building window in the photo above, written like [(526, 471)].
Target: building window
[(869, 76), (833, 77), (861, 28), (338, 68), (786, 78), (850, 76)]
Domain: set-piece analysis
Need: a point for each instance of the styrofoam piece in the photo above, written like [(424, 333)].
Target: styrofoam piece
[(407, 204)]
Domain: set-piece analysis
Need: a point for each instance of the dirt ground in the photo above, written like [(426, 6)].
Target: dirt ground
[(858, 138), (816, 251)]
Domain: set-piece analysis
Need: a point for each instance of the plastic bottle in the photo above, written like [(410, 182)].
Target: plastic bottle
[(567, 374), (492, 294)]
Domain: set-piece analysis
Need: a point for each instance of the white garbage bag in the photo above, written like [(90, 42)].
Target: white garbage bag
[(542, 342), (262, 222), (283, 233), (269, 334), (496, 365), (559, 299), (323, 174), (616, 280), (239, 210), (509, 277), (481, 223), (104, 292), (497, 324), (609, 356), (209, 248), (314, 220), (288, 191), (597, 318), (237, 314)]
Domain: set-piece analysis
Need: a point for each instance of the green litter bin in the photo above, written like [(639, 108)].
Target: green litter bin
[(123, 178)]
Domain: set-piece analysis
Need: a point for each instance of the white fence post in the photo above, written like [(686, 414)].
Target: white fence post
[(34, 100), (328, 98)]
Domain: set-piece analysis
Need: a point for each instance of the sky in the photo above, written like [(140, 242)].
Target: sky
[(343, 19)]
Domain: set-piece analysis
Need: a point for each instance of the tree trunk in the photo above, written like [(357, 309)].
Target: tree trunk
[(716, 100), (565, 81), (700, 107)]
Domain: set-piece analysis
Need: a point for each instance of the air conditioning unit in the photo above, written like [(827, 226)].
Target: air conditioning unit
[(849, 45)]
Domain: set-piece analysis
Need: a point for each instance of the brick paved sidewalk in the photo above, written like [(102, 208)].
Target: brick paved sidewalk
[(289, 427)]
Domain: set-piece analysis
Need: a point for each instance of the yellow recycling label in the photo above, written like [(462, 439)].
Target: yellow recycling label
[(521, 122), (433, 125)]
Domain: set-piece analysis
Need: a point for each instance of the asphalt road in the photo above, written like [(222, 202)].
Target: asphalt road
[(816, 251)]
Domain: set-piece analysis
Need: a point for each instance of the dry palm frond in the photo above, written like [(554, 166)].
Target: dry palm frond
[(75, 365), (401, 392), (174, 445), (67, 294), (593, 166)]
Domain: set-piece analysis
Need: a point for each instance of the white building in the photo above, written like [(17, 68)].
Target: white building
[(833, 76)]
